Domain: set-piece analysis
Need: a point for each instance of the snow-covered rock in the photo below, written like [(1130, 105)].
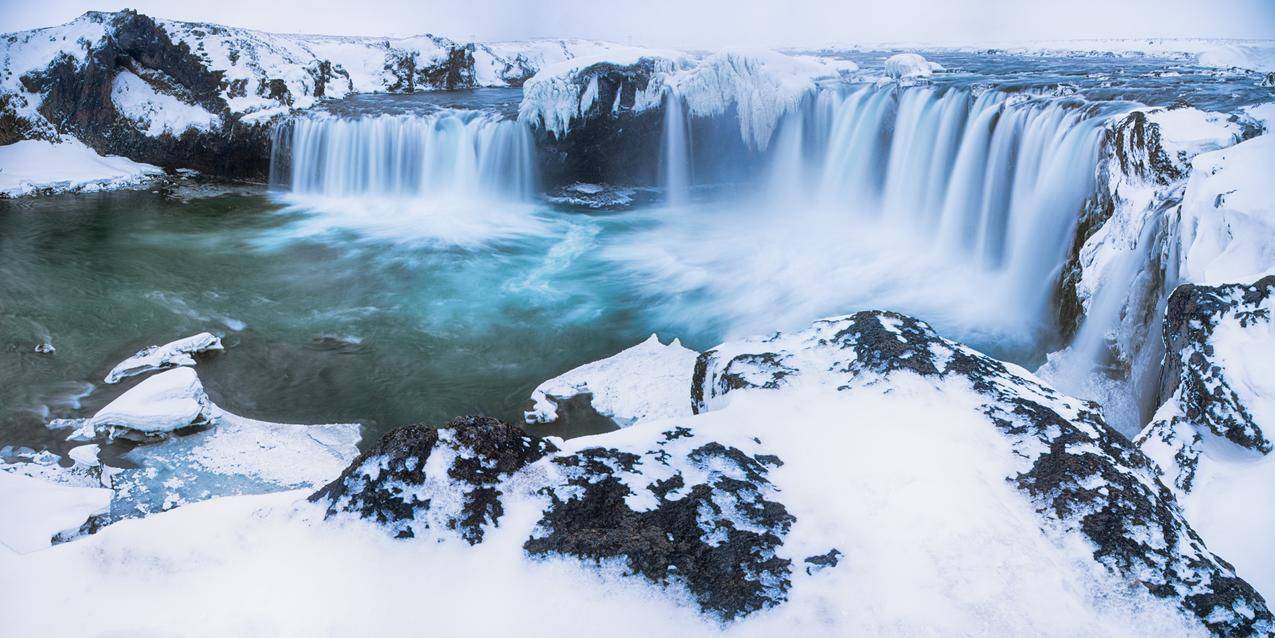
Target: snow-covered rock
[(908, 65), (175, 353), (33, 511), (648, 381), (729, 507), (203, 96), (762, 86), (154, 408), (157, 113), (37, 166), (1212, 434)]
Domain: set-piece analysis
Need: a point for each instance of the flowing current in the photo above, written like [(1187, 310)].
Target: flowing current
[(954, 205), (448, 153)]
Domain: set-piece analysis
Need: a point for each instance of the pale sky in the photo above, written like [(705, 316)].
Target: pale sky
[(702, 23)]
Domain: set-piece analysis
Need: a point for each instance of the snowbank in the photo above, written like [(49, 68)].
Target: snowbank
[(155, 407), (34, 166), (1228, 214), (33, 511), (175, 353), (1250, 57), (645, 382)]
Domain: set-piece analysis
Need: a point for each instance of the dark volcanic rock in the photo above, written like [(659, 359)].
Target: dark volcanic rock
[(718, 538), (391, 484), (1199, 398)]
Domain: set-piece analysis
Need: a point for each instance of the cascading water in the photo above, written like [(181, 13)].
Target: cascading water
[(442, 154), (950, 204), (450, 175), (675, 151), (994, 180)]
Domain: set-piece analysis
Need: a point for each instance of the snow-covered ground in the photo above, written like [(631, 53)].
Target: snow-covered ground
[(881, 480), (32, 166)]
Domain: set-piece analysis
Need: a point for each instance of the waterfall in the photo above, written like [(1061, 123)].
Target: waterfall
[(447, 154), (675, 151), (993, 180)]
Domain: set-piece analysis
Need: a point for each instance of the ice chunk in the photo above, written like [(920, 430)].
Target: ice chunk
[(175, 353), (33, 511), (155, 407), (908, 65), (648, 381), (235, 456)]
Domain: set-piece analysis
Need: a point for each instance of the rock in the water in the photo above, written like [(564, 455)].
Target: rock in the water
[(648, 381), (172, 354), (154, 408)]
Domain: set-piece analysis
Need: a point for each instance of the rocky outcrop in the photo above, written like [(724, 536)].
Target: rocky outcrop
[(77, 101), (1200, 388), (420, 480), (708, 505), (1084, 477), (204, 96)]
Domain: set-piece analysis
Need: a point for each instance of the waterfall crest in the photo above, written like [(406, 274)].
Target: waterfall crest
[(447, 154)]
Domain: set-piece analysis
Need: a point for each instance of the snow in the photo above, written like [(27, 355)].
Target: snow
[(175, 353), (762, 85), (157, 113), (158, 405), (1251, 57), (1231, 486), (907, 65), (647, 381), (32, 166), (1228, 214), (1190, 131), (33, 510), (275, 568)]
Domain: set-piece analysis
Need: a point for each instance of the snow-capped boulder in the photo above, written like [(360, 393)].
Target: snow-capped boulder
[(172, 354), (908, 65), (1211, 436), (648, 381), (730, 506), (154, 408), (34, 511)]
